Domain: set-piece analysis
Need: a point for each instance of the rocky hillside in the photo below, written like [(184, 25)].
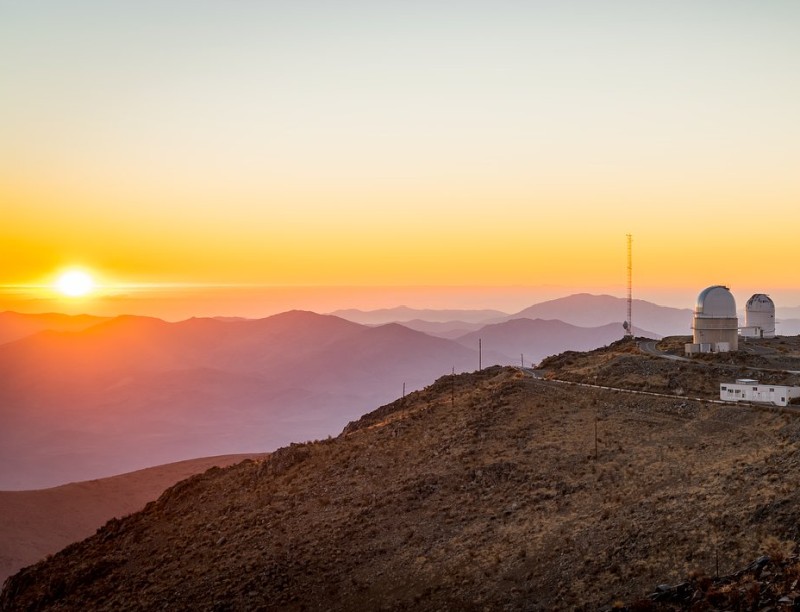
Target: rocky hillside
[(623, 365), (489, 490), (41, 522)]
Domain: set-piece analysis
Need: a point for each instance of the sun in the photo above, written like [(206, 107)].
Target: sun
[(74, 283)]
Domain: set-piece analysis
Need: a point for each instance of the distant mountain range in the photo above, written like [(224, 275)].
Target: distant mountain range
[(86, 397), (788, 327), (582, 309), (588, 310), (402, 314), (447, 329), (533, 340), (790, 312), (14, 325), (131, 392)]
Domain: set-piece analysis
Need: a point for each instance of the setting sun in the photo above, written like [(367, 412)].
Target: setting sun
[(74, 283)]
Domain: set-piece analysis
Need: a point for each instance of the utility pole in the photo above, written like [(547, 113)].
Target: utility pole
[(404, 390), (521, 361)]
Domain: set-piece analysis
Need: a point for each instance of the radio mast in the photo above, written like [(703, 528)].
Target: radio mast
[(629, 322)]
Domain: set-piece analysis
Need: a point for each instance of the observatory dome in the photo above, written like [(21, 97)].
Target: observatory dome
[(760, 302), (715, 322), (759, 314), (715, 302)]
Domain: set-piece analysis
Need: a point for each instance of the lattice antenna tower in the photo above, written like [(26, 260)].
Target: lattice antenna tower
[(629, 320)]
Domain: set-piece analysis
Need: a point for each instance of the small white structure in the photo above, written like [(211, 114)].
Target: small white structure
[(749, 390), (707, 347), (723, 347), (759, 317), (715, 327)]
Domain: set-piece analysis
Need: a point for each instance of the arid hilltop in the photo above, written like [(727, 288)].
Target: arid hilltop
[(486, 490)]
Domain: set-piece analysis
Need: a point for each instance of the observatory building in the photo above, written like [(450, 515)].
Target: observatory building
[(759, 317), (715, 325)]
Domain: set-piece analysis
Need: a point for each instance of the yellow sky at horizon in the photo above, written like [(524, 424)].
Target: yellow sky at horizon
[(379, 144)]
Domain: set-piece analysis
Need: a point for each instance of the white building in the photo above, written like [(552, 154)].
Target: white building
[(749, 390), (759, 317), (715, 327)]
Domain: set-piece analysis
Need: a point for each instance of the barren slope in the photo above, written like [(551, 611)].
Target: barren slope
[(34, 524), (482, 491), (624, 365)]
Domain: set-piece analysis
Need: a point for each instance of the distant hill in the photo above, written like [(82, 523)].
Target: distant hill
[(131, 392), (535, 339), (491, 490), (401, 314), (582, 309), (588, 310), (448, 329), (38, 523), (787, 327), (15, 325), (788, 312)]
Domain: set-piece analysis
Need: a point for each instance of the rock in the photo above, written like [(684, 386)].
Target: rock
[(758, 565)]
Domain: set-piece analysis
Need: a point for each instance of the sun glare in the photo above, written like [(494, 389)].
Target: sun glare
[(74, 283)]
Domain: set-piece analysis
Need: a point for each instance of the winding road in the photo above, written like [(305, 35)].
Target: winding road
[(650, 347)]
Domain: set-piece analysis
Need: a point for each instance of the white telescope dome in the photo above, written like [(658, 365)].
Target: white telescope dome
[(715, 302), (760, 302), (715, 325), (759, 316)]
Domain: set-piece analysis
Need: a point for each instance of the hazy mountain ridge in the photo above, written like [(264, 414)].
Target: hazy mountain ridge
[(535, 339), (787, 312), (481, 490), (16, 325), (138, 386), (581, 309), (131, 390), (588, 310), (39, 523), (448, 329), (787, 327), (401, 314)]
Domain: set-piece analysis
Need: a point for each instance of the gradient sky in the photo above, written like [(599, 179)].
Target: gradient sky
[(402, 143)]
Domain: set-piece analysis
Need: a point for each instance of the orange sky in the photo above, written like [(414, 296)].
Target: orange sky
[(387, 145)]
